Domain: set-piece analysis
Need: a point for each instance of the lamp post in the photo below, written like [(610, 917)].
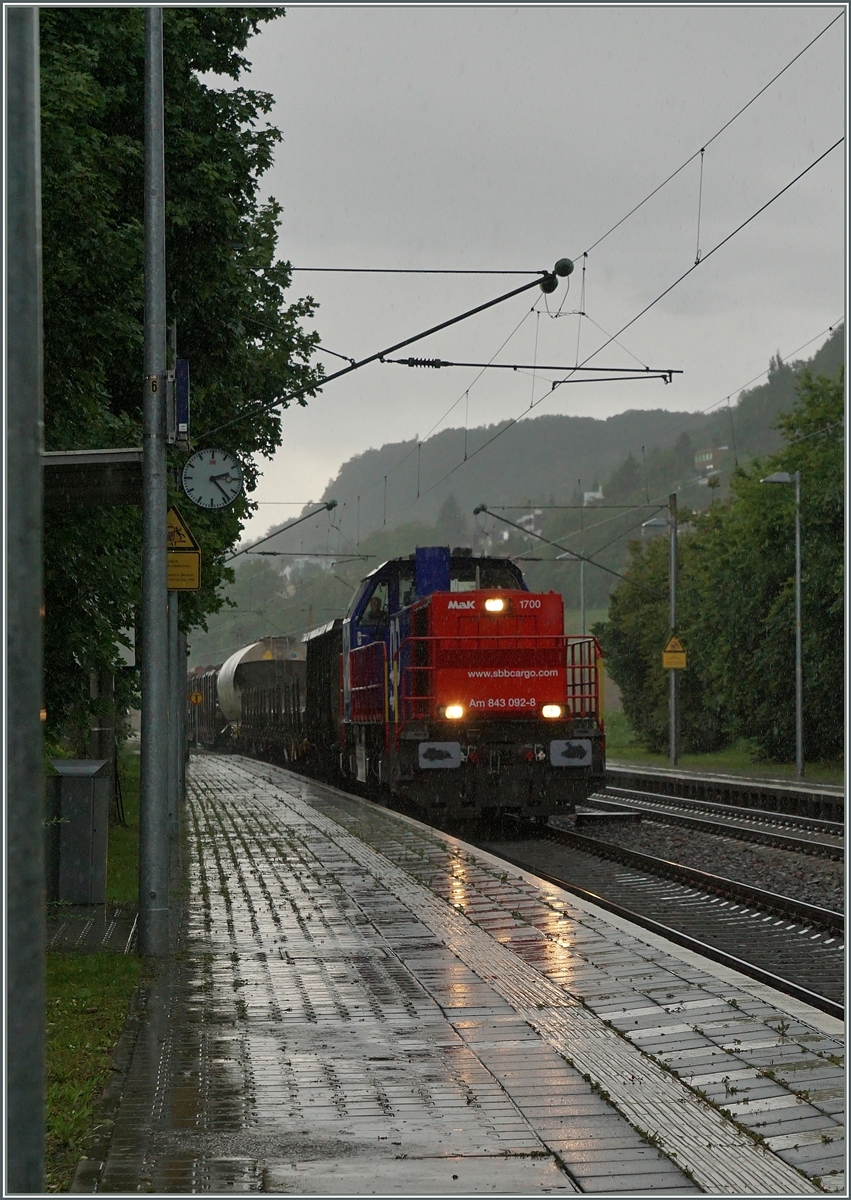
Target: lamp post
[(575, 557), (673, 683), (670, 523), (786, 477)]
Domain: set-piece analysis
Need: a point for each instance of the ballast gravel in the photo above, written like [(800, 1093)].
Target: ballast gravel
[(788, 873)]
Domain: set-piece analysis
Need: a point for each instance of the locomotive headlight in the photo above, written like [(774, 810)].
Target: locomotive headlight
[(551, 710), (454, 712), (494, 604)]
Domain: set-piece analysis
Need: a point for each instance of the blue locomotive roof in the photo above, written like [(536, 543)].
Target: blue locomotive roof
[(462, 571)]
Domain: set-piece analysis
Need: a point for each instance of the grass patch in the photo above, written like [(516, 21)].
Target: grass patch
[(738, 759), (122, 878), (87, 999)]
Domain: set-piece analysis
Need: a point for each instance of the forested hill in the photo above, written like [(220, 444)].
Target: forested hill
[(542, 460), (535, 459), (748, 426)]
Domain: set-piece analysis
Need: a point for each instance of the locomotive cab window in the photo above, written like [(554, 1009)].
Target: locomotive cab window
[(498, 576), (377, 609), (475, 575), (407, 590)]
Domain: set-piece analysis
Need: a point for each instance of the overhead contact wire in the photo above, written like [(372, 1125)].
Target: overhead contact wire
[(715, 135), (515, 420), (718, 246)]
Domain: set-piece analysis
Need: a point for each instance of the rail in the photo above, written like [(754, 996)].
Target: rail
[(825, 1003), (731, 889)]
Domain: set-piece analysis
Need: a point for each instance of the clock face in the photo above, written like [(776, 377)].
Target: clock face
[(212, 479)]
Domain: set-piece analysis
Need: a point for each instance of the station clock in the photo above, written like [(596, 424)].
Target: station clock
[(212, 479)]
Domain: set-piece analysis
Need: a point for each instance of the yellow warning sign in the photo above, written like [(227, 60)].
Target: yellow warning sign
[(179, 536), (196, 698), (674, 655), (184, 555), (184, 571)]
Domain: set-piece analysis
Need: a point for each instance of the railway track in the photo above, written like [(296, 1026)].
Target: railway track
[(795, 947), (820, 801), (807, 835), (729, 889)]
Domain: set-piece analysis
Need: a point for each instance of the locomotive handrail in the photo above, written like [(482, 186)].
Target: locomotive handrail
[(358, 693), (565, 638), (589, 687)]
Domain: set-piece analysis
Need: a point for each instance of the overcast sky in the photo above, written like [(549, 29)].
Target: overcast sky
[(506, 138)]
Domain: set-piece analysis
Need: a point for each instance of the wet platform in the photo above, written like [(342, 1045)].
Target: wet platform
[(360, 1005)]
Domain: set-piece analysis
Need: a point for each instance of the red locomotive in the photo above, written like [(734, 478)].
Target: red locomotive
[(448, 685)]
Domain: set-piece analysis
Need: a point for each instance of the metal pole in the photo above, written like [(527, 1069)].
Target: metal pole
[(582, 593), (153, 824), (25, 883), (173, 715), (181, 713), (673, 715), (799, 655)]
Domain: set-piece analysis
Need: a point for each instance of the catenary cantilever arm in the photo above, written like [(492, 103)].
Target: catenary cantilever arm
[(324, 508), (549, 282)]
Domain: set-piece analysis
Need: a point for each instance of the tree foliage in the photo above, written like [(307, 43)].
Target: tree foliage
[(736, 602), (226, 294)]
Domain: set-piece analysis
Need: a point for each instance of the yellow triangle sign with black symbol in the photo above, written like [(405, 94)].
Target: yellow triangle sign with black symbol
[(184, 555), (179, 536), (674, 655)]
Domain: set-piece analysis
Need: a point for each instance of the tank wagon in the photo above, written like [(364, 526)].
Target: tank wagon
[(253, 698), (449, 685)]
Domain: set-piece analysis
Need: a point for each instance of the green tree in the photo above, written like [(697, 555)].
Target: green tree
[(226, 293), (736, 602), (740, 586)]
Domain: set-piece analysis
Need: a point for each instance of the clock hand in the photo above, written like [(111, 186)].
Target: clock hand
[(215, 479)]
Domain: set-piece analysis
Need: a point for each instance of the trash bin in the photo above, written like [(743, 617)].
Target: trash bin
[(77, 830)]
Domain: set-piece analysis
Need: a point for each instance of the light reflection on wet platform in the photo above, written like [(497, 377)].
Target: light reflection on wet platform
[(361, 1005)]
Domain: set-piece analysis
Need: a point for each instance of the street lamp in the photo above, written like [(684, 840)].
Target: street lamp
[(786, 477)]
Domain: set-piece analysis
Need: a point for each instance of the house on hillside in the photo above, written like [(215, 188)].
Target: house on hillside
[(531, 522), (708, 463)]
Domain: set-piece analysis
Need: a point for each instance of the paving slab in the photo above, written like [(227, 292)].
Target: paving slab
[(363, 1005)]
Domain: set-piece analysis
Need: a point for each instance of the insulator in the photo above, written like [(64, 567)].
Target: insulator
[(426, 362)]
